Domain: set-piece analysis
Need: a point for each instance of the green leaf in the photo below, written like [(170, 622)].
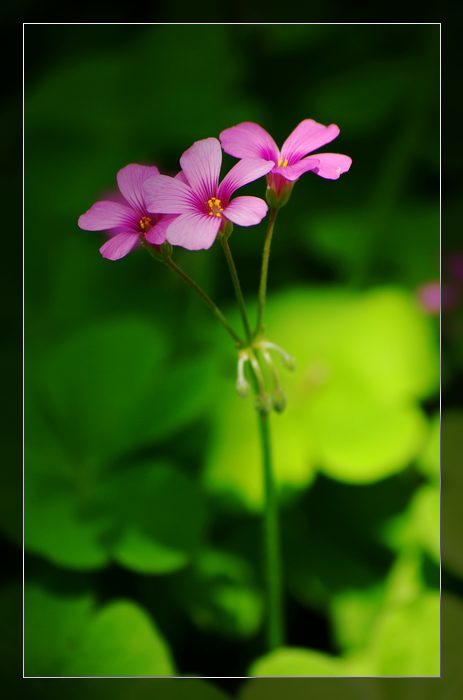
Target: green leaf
[(121, 640), (429, 461), (407, 639), (184, 391), (233, 467), (419, 525), (97, 382), (53, 627), (363, 438), (219, 595), (353, 614), (67, 636), (57, 524), (158, 514), (298, 662), (128, 515)]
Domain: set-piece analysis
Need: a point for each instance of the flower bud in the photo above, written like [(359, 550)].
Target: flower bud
[(278, 190), (166, 250), (279, 400), (226, 229), (263, 404), (242, 387)]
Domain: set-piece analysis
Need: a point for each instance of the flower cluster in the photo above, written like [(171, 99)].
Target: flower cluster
[(192, 208)]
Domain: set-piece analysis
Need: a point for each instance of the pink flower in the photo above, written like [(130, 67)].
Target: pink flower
[(127, 220), (202, 205), (249, 140)]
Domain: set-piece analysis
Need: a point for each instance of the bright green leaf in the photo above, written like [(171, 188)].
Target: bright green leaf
[(298, 662), (121, 640)]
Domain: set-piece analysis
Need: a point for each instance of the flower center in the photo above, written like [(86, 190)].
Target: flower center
[(215, 208), (145, 223), (282, 162)]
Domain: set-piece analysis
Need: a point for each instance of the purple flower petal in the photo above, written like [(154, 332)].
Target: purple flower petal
[(157, 233), (294, 172), (201, 166), (106, 215), (193, 231), (307, 136), (331, 165), (169, 195), (130, 181), (246, 211), (119, 246), (245, 171), (249, 140)]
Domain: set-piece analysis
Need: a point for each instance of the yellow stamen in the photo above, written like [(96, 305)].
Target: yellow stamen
[(215, 207), (145, 223), (282, 163)]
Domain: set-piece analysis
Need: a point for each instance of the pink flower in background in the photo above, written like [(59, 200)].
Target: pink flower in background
[(127, 220), (249, 140), (201, 204)]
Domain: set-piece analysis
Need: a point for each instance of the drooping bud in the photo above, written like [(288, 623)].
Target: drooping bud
[(288, 360), (263, 404), (279, 399), (242, 384)]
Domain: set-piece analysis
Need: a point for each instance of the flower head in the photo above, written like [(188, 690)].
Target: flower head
[(249, 140), (201, 204), (128, 221)]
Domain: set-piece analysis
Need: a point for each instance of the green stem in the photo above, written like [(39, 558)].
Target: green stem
[(271, 541), (199, 291), (206, 298), (237, 287), (264, 271)]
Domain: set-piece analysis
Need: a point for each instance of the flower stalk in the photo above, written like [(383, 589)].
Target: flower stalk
[(237, 286), (273, 578), (167, 260), (264, 272)]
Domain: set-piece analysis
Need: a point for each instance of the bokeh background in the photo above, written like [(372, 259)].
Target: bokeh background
[(142, 486)]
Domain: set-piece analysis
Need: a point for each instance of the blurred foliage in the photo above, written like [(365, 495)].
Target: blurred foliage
[(142, 488)]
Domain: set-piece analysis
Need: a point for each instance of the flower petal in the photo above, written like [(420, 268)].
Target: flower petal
[(246, 211), (105, 215), (332, 165), (307, 136), (294, 172), (249, 140), (245, 171), (130, 181), (168, 195), (157, 233), (193, 231), (201, 166), (119, 246)]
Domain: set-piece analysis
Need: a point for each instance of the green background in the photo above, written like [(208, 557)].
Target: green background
[(142, 487)]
